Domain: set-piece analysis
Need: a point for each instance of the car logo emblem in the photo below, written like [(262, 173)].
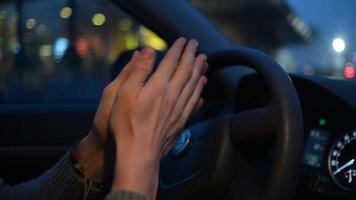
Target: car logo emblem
[(182, 142)]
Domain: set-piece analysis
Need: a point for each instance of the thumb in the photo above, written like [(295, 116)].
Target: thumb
[(143, 66)]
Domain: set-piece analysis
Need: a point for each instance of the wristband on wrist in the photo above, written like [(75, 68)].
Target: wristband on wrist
[(89, 183)]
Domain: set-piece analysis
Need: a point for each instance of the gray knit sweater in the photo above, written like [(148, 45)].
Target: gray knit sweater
[(58, 183)]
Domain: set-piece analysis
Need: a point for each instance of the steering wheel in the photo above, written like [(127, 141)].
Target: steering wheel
[(206, 158)]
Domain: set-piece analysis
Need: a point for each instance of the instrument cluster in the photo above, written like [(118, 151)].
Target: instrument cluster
[(329, 162)]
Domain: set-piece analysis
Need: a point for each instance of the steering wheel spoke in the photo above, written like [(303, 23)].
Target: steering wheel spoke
[(250, 125)]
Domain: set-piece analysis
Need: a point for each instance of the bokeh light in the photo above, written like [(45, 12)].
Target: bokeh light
[(31, 23), (125, 24), (65, 12), (98, 19), (150, 39), (339, 45), (349, 72)]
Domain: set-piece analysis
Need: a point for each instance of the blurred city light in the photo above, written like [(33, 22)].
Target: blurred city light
[(339, 45), (31, 23), (65, 12), (98, 19), (60, 47), (299, 25), (82, 47), (131, 41), (149, 38), (45, 50), (349, 72), (16, 48), (125, 24)]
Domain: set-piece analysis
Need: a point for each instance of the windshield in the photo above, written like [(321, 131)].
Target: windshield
[(315, 37), (64, 50)]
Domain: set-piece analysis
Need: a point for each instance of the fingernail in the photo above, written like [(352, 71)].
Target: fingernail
[(147, 52), (135, 53), (195, 42), (181, 39)]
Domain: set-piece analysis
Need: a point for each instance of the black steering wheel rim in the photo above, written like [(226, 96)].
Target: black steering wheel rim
[(289, 138), (284, 108)]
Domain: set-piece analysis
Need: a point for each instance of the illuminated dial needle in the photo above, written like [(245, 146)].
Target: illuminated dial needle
[(344, 166), (350, 176)]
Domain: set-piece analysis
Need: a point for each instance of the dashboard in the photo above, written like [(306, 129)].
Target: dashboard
[(328, 169)]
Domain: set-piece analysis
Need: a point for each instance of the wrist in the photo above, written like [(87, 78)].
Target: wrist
[(89, 155), (136, 171)]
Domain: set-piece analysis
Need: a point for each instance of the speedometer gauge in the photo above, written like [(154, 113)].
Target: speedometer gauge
[(342, 161)]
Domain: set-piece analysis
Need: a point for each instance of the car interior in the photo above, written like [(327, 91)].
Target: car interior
[(272, 127)]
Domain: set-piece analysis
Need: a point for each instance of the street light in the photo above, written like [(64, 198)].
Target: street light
[(339, 45)]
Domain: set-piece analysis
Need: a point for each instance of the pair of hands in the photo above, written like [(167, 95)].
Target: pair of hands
[(144, 115)]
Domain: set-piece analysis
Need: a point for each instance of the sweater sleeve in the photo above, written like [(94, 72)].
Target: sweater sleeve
[(124, 195), (58, 183)]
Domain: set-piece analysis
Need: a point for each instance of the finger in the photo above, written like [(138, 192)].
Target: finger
[(172, 138), (188, 89), (167, 147), (169, 63), (169, 142), (122, 76), (199, 104), (184, 71), (206, 67), (193, 100), (186, 109), (188, 55), (112, 88), (142, 68)]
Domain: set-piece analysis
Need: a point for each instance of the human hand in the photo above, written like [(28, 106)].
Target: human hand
[(149, 112), (90, 153)]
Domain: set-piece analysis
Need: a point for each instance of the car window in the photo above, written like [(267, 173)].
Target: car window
[(309, 37), (63, 50)]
